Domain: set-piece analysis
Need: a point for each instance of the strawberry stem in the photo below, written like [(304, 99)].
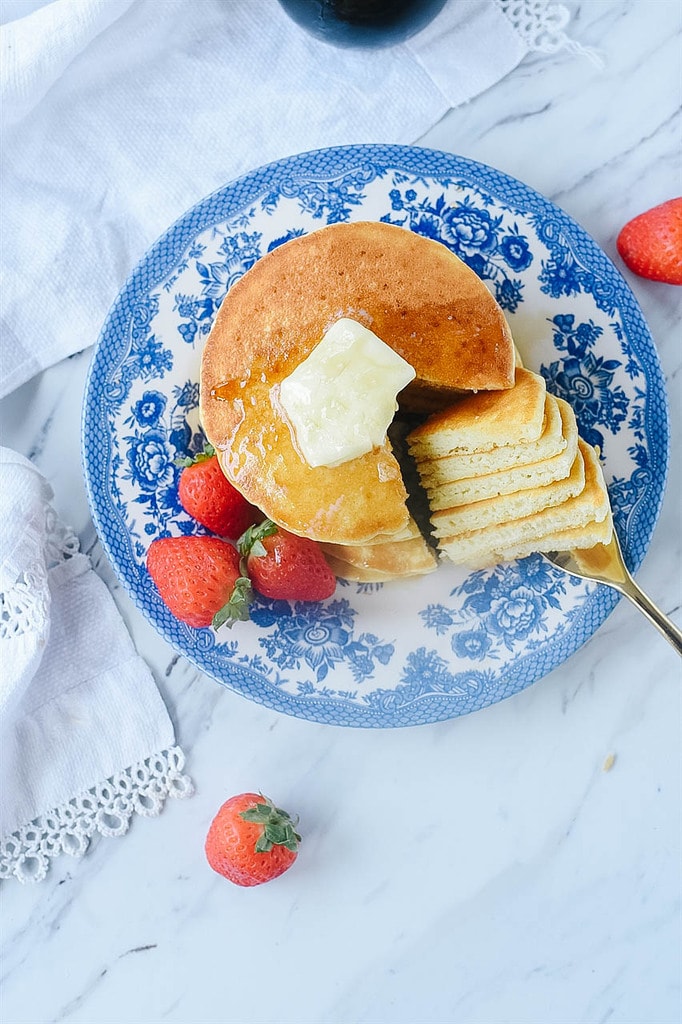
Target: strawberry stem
[(237, 607), (279, 828), (193, 460), (250, 542)]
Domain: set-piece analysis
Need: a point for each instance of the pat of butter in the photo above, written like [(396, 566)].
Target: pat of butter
[(340, 401)]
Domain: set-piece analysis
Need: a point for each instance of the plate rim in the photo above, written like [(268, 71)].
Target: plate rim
[(217, 206)]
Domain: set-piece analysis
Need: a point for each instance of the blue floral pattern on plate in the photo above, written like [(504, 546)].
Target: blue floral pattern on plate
[(413, 651)]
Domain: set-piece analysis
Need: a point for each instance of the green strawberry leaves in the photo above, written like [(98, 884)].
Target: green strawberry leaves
[(237, 608), (251, 541), (279, 828), (187, 460)]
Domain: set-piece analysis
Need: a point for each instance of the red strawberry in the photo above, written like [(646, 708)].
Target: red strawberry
[(251, 841), (211, 499), (199, 579), (651, 244), (284, 566)]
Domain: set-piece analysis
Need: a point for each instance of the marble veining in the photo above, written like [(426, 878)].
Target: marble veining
[(491, 869)]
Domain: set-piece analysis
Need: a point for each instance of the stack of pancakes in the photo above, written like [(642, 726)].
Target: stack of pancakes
[(506, 474), (499, 459), (415, 295)]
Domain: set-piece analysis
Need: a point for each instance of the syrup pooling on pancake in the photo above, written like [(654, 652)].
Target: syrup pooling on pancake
[(261, 456)]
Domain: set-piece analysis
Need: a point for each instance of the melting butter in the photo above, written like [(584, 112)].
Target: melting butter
[(341, 400)]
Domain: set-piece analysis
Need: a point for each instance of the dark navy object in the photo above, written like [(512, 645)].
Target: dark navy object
[(370, 23)]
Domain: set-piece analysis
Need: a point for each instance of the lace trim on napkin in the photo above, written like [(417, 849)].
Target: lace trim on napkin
[(541, 27), (24, 607), (106, 808)]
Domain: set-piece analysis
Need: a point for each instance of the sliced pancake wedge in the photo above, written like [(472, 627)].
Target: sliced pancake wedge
[(414, 294), (552, 441), (506, 507), (537, 532), (484, 421), (451, 493)]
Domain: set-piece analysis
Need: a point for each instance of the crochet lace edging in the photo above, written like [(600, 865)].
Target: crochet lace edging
[(106, 808), (541, 25), (24, 607)]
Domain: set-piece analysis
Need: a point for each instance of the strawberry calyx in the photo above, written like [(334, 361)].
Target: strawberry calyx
[(251, 541), (236, 609), (279, 828), (184, 461)]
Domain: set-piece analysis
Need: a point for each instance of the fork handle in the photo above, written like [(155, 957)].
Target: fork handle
[(664, 624)]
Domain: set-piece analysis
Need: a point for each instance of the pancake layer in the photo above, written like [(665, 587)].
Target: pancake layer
[(504, 508), (519, 537), (411, 557), (485, 420), (446, 493)]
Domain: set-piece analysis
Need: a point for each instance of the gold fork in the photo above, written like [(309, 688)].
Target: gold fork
[(604, 564)]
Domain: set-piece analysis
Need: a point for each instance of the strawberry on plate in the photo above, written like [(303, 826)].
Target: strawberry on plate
[(251, 841), (199, 579), (284, 566), (651, 243), (208, 496)]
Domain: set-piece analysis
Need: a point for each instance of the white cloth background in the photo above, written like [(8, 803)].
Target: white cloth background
[(118, 115)]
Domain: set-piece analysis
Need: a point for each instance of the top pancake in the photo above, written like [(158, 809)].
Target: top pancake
[(415, 294)]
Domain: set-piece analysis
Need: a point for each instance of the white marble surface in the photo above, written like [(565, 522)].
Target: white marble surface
[(484, 870)]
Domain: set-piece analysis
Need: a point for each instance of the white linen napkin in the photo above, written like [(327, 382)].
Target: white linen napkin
[(86, 739), (117, 116)]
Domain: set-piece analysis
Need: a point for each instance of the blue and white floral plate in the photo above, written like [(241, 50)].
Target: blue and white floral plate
[(407, 652)]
